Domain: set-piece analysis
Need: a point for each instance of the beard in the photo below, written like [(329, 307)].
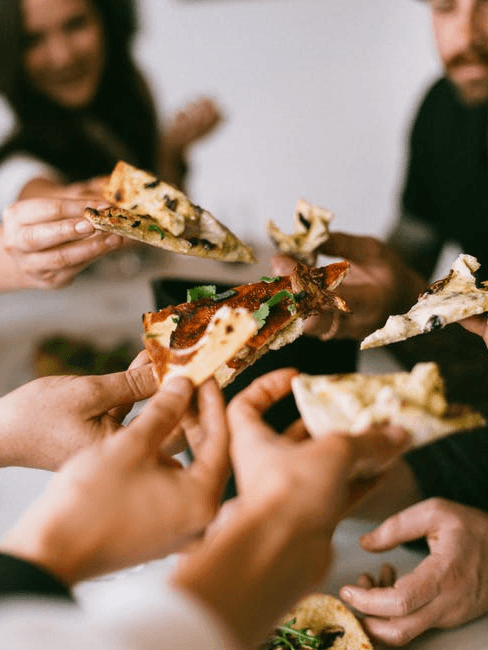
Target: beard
[(471, 90)]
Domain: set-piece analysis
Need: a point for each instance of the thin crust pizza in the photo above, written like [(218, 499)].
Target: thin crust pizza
[(311, 230), (352, 402), (319, 621), (447, 300), (279, 307), (149, 210)]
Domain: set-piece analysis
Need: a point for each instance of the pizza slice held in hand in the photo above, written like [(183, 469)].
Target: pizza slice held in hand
[(447, 300), (311, 224), (154, 212), (192, 339), (353, 402)]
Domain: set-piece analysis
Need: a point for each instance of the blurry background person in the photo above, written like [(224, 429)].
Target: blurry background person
[(80, 104)]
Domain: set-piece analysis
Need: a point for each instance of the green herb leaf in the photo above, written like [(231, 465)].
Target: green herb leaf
[(157, 229), (286, 636), (265, 278), (263, 312), (225, 294), (175, 319), (203, 291)]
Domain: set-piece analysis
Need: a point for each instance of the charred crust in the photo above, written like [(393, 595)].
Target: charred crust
[(229, 329), (438, 285), (197, 209), (135, 224), (152, 184), (170, 203), (92, 211), (303, 220), (434, 323), (118, 195)]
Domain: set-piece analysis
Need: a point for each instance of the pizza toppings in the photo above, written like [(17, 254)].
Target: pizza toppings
[(318, 622), (352, 402), (278, 309), (447, 300), (311, 231), (149, 210)]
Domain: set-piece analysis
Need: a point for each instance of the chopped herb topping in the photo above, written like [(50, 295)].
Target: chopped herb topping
[(265, 278), (135, 224), (157, 229), (224, 295), (263, 312), (304, 221), (175, 319), (204, 291), (288, 638)]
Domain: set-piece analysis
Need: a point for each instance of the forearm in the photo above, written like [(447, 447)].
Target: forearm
[(249, 574)]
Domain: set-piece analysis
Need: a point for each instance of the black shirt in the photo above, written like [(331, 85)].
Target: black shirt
[(447, 177)]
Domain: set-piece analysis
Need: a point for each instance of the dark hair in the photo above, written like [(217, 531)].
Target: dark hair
[(58, 135)]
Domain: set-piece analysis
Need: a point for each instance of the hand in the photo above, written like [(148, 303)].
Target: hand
[(46, 421), (292, 490), (120, 501), (448, 588), (378, 284), (477, 325), (193, 122), (50, 242), (91, 189)]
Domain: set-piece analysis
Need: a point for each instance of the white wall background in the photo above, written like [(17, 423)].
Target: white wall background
[(318, 95)]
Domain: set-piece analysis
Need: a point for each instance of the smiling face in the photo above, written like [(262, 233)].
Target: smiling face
[(461, 34), (64, 52)]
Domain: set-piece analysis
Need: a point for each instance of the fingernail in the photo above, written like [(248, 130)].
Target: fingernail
[(103, 206), (83, 227), (346, 593), (113, 240)]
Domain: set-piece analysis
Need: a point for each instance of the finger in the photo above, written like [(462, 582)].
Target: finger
[(402, 630), (246, 409), (352, 247), (412, 523), (282, 264), (296, 431), (117, 389), (387, 576), (66, 255), (379, 445), (35, 211), (365, 581), (209, 437), (409, 593), (162, 414), (142, 359), (475, 324)]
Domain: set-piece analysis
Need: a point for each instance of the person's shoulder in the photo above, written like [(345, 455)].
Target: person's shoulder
[(440, 96)]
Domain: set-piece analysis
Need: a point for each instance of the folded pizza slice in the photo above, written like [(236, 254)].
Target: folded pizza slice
[(352, 402), (149, 210), (279, 307), (447, 300), (311, 224), (319, 621)]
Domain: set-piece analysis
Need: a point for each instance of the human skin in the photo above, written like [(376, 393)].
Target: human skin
[(121, 501), (448, 588), (45, 243), (292, 492)]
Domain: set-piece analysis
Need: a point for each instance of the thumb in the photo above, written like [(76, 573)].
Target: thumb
[(118, 391), (162, 413)]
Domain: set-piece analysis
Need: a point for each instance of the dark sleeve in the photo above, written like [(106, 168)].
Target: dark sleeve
[(454, 468), (21, 578)]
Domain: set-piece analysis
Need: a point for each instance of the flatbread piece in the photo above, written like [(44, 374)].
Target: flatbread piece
[(447, 300), (149, 210)]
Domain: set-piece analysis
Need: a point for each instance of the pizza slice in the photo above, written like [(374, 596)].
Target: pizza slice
[(352, 402), (311, 224), (319, 621), (149, 210), (447, 300), (279, 306)]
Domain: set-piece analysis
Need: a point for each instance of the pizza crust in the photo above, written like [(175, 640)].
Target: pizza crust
[(311, 224), (352, 402), (156, 213), (447, 300), (319, 612)]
